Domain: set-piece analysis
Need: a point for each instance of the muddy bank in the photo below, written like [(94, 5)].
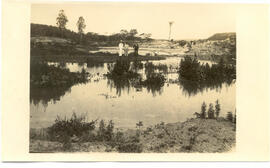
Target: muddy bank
[(193, 135)]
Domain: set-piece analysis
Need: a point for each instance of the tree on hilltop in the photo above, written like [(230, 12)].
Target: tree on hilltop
[(61, 20), (81, 26)]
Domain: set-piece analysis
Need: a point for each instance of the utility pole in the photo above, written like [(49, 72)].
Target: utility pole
[(170, 25)]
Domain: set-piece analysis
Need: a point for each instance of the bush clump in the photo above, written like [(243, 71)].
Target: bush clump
[(121, 69), (64, 129), (130, 145)]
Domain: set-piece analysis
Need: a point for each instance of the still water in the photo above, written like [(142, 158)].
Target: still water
[(100, 98)]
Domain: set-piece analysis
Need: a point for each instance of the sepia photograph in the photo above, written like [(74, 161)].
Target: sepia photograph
[(132, 78)]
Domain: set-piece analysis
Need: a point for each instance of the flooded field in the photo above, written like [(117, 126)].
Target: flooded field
[(126, 104)]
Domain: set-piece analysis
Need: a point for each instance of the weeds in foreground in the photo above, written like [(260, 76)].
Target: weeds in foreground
[(64, 129), (130, 145), (78, 129)]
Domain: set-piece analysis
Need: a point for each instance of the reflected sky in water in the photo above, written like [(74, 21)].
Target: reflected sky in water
[(125, 103)]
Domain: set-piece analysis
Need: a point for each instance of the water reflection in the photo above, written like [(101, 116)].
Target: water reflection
[(129, 100), (148, 76), (46, 95), (125, 85), (191, 88), (94, 64), (124, 74), (136, 66), (154, 89)]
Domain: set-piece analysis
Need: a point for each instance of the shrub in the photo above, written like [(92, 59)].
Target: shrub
[(139, 124), (132, 145), (161, 125), (65, 128), (190, 69), (122, 68), (105, 132), (229, 116), (109, 131)]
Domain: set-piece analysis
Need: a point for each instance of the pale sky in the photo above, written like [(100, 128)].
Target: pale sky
[(191, 21)]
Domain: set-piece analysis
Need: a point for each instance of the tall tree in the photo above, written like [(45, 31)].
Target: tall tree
[(229, 116), (211, 113), (217, 106), (203, 110), (81, 26), (61, 20), (123, 33), (133, 32)]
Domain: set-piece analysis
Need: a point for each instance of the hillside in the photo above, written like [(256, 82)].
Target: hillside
[(89, 38), (222, 36), (49, 40)]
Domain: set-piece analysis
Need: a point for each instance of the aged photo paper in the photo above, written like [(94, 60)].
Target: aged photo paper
[(135, 81)]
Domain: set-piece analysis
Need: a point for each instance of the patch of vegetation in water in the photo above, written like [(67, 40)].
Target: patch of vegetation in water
[(194, 77), (121, 70), (124, 74), (190, 69), (50, 82), (150, 68), (43, 75)]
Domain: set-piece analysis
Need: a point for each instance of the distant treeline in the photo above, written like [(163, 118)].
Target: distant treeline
[(53, 31)]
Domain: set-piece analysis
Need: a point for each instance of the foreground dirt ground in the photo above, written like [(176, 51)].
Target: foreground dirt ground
[(193, 135)]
